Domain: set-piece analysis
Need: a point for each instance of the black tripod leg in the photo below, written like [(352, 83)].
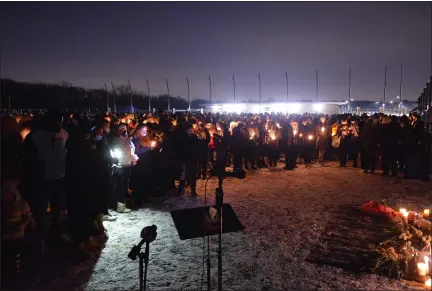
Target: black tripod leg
[(146, 259), (141, 270), (208, 264)]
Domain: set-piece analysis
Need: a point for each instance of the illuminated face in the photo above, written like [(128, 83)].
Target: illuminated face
[(322, 119), (143, 131), (194, 126)]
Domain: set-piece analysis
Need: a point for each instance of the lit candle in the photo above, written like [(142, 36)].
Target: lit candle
[(426, 212), (295, 132), (423, 269), (218, 128), (402, 210), (428, 283), (272, 136), (301, 134), (153, 144), (310, 137), (322, 129), (405, 216)]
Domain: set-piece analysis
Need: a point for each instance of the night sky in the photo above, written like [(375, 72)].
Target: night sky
[(88, 44)]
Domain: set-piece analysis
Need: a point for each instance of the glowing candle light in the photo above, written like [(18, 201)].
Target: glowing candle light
[(426, 212), (295, 132), (405, 216), (153, 144), (310, 137), (322, 129), (402, 210), (423, 269), (218, 128), (428, 283)]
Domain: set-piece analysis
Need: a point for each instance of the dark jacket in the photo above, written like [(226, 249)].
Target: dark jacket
[(369, 137)]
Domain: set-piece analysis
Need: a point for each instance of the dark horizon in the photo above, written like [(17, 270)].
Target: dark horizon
[(88, 44)]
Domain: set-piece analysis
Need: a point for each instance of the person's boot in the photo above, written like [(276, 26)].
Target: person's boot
[(121, 208)]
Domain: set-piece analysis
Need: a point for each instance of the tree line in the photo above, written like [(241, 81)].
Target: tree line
[(23, 95)]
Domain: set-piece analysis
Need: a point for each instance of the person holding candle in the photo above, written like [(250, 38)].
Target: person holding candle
[(323, 139)]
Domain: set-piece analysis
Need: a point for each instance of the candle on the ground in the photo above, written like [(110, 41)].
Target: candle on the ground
[(405, 216), (423, 269)]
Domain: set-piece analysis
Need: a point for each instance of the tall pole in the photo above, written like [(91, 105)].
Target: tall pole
[(169, 107), (385, 83), (131, 103), (234, 86), (400, 84), (114, 96), (316, 85), (107, 98), (259, 83), (349, 85), (149, 95), (9, 101), (286, 77), (188, 84), (210, 83)]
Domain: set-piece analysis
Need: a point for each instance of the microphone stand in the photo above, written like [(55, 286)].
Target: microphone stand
[(143, 261), (219, 203)]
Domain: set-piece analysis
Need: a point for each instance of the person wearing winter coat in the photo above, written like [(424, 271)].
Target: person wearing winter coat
[(204, 139), (369, 145), (323, 131), (15, 212), (45, 154), (124, 151), (190, 147), (388, 145), (287, 144)]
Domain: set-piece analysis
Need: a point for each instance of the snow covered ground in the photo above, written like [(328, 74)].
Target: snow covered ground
[(284, 214)]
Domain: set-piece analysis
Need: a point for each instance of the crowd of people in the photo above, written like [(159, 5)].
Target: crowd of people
[(85, 170)]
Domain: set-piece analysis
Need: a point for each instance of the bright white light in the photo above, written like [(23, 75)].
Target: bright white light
[(236, 108), (397, 97), (377, 102), (318, 107), (391, 102), (116, 153), (352, 99), (294, 107)]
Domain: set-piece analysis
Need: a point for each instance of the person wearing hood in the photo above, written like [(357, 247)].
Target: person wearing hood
[(388, 145)]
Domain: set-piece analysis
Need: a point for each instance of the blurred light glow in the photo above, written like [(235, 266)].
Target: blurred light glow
[(318, 107)]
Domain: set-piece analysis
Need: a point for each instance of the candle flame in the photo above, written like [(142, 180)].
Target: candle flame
[(153, 144), (295, 132), (428, 283), (402, 210), (322, 129), (310, 137)]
